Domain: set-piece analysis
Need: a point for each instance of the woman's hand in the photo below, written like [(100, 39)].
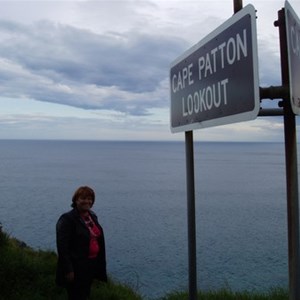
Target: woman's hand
[(70, 277)]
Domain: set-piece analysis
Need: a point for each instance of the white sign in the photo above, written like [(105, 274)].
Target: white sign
[(293, 43), (216, 81)]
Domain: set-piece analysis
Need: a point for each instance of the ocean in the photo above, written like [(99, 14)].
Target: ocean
[(141, 203)]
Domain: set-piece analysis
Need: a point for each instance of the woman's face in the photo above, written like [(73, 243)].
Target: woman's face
[(84, 203)]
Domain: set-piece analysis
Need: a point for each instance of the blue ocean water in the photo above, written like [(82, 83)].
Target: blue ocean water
[(141, 203)]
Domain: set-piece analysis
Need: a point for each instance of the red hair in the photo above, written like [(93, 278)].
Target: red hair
[(83, 191)]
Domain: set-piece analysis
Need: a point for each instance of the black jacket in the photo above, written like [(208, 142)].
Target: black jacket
[(73, 240)]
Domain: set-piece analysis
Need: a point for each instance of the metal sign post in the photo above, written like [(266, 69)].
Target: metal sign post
[(289, 33), (190, 184), (291, 168), (237, 5)]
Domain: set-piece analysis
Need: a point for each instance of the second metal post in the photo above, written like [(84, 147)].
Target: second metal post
[(190, 184)]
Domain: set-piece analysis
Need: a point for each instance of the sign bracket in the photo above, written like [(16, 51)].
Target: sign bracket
[(273, 92)]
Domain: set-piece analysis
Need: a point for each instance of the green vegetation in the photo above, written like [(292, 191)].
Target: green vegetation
[(226, 294), (28, 274)]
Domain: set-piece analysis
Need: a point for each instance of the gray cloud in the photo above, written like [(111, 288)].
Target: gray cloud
[(64, 64), (106, 64)]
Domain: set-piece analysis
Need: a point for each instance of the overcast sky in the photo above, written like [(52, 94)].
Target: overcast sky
[(100, 69)]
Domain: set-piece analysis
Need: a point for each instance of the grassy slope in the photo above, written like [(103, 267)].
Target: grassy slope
[(29, 275)]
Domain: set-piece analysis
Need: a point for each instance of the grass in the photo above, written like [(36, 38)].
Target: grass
[(227, 294), (29, 274)]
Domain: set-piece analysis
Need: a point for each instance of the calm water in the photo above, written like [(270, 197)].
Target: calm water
[(141, 203)]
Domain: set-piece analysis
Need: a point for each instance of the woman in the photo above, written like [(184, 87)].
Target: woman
[(80, 246)]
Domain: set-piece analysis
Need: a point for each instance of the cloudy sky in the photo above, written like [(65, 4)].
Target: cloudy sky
[(99, 70)]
